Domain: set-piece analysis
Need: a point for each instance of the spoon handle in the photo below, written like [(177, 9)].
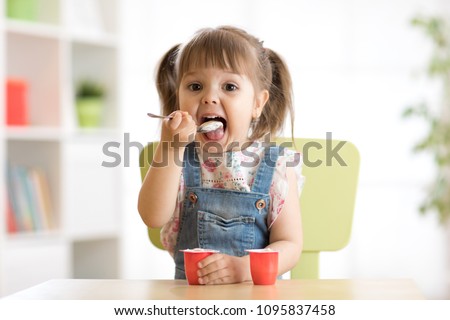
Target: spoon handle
[(204, 127), (152, 115)]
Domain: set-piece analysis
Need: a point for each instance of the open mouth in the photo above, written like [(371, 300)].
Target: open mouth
[(218, 133)]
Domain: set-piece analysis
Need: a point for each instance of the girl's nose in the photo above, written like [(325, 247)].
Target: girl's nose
[(209, 101), (209, 98)]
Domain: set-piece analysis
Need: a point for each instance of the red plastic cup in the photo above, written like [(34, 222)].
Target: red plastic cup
[(263, 266), (191, 259)]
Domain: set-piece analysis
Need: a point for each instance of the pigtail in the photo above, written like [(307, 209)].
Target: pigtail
[(166, 83), (280, 96)]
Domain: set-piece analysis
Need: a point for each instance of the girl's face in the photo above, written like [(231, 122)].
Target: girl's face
[(211, 93)]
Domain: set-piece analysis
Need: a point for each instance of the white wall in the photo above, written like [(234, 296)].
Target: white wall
[(353, 65)]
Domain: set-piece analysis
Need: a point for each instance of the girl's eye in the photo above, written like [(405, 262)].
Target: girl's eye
[(195, 86), (230, 87)]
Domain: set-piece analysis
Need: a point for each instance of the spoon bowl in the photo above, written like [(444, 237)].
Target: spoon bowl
[(209, 126)]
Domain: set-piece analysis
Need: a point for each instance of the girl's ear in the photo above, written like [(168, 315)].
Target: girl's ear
[(261, 99)]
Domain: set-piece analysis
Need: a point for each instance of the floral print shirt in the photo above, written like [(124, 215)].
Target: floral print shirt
[(237, 171)]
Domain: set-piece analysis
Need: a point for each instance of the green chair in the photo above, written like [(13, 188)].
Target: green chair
[(331, 170)]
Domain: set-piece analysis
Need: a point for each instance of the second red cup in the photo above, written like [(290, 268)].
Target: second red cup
[(263, 266), (191, 259)]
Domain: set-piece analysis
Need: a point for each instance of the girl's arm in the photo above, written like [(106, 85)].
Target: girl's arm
[(157, 197), (286, 235)]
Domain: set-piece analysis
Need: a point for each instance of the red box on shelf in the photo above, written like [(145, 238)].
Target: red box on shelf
[(16, 102)]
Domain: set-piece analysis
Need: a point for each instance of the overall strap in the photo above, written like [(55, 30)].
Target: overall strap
[(264, 175), (191, 166)]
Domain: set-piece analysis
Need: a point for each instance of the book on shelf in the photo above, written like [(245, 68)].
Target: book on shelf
[(29, 198), (11, 223), (16, 192), (42, 196)]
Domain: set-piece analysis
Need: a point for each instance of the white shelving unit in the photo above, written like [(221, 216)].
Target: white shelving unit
[(68, 41)]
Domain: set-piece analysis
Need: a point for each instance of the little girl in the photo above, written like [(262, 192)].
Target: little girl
[(228, 189)]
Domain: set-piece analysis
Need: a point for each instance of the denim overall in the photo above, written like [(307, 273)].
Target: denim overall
[(225, 220)]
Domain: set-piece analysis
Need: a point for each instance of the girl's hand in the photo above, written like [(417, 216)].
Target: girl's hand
[(181, 128), (222, 268)]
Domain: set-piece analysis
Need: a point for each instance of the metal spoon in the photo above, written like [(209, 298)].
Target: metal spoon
[(204, 127), (152, 115)]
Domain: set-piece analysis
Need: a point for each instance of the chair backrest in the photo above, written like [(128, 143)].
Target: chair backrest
[(331, 169)]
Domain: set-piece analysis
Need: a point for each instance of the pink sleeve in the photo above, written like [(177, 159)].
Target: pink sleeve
[(279, 188), (169, 231)]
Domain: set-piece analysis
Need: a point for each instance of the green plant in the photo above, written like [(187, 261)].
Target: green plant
[(89, 89), (437, 139)]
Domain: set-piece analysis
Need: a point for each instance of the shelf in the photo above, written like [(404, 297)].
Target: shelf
[(97, 135), (83, 163), (33, 133), (43, 156), (98, 64), (92, 16), (45, 30), (34, 29), (32, 261), (75, 231), (89, 237), (96, 39), (28, 237), (56, 134), (90, 257), (38, 62)]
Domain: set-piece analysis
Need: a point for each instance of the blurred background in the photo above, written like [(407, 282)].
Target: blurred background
[(69, 191)]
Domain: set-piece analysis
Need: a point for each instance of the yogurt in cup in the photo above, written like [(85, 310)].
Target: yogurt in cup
[(191, 259), (263, 266)]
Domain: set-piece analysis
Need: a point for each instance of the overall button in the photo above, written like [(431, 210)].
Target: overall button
[(193, 197), (260, 204)]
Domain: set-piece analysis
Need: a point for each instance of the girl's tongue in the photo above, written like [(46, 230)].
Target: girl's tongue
[(215, 135)]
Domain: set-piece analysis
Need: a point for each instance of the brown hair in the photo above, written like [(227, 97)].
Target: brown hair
[(236, 50)]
